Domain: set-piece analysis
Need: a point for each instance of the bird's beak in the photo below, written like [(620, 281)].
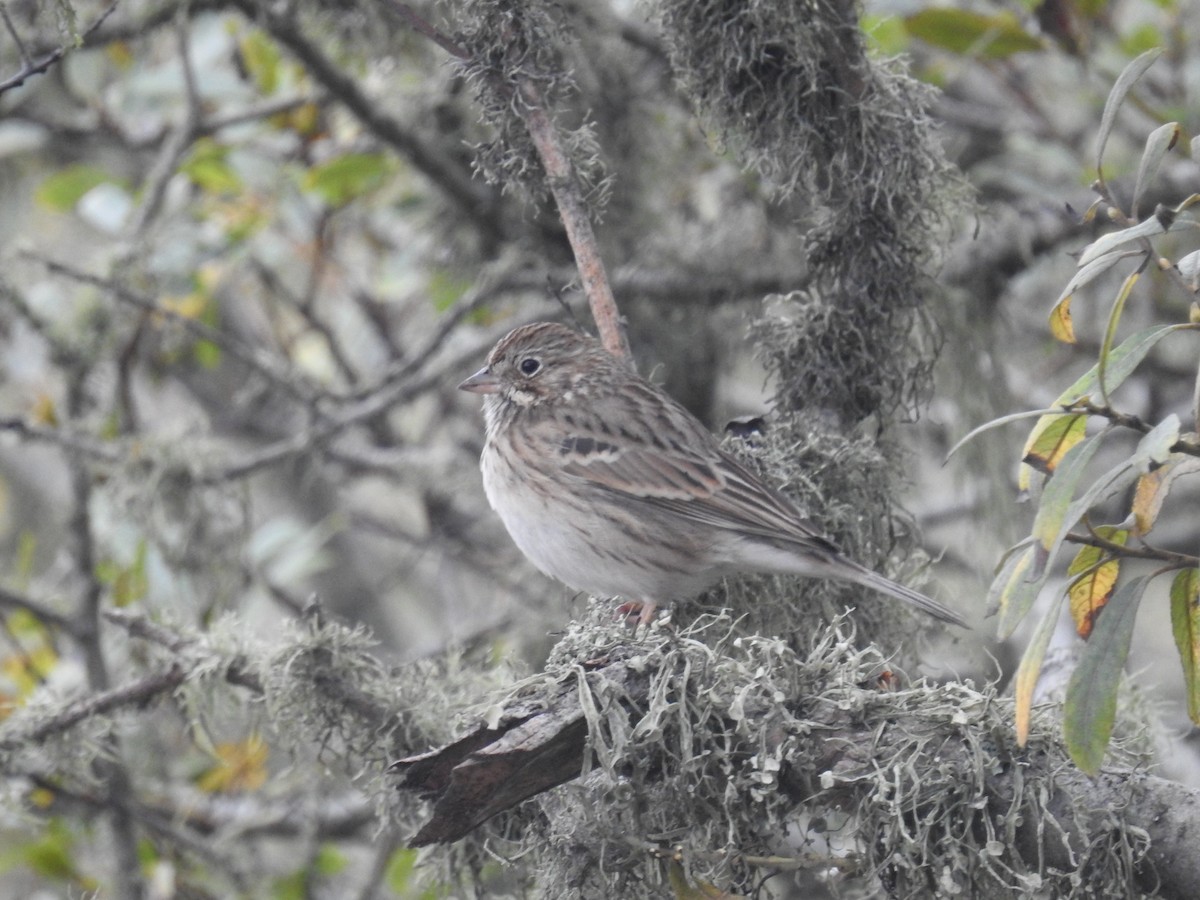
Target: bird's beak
[(482, 382)]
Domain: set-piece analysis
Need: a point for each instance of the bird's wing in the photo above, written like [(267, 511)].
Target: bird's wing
[(678, 465)]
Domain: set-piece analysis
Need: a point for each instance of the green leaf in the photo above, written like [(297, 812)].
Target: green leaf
[(1110, 332), (1108, 243), (400, 870), (291, 887), (62, 190), (208, 168), (445, 288), (1014, 590), (996, 423), (1161, 139), (1121, 363), (1089, 273), (262, 59), (49, 855), (885, 34), (1051, 521), (344, 178), (963, 32), (329, 860), (1090, 708), (1185, 626), (207, 354), (1125, 82)]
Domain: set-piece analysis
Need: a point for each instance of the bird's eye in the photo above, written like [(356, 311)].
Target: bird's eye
[(529, 366)]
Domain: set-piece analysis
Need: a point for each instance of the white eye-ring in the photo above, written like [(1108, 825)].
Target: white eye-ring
[(529, 365)]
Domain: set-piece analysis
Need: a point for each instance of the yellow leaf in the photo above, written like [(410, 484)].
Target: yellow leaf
[(1049, 441), (1153, 487), (190, 306), (120, 53), (44, 411), (1098, 574), (42, 798), (241, 766), (702, 890), (1060, 321)]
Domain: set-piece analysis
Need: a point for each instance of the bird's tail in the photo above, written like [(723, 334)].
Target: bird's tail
[(869, 578)]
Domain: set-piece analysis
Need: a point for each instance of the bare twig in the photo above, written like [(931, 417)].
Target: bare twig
[(264, 365), (73, 441), (1119, 551), (432, 162), (237, 671), (180, 139), (137, 693), (31, 68), (12, 601), (564, 187), (1126, 420)]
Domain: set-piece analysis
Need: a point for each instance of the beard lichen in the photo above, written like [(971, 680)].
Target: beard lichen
[(730, 759)]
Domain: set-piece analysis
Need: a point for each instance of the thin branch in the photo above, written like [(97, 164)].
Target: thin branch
[(181, 137), (26, 60), (72, 441), (13, 601), (236, 671), (137, 693), (564, 186), (423, 27), (249, 356), (1181, 560), (145, 813), (433, 162), (43, 65), (1126, 420)]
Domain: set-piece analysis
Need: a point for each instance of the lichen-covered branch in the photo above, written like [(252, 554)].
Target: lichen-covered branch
[(765, 741)]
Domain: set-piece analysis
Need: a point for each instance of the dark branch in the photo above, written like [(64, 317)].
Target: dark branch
[(46, 62)]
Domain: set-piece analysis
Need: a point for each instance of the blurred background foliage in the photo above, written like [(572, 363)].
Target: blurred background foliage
[(250, 248)]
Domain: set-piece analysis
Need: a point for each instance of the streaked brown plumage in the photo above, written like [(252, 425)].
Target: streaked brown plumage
[(610, 486)]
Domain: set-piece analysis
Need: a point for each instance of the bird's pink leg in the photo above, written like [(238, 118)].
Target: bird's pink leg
[(643, 609)]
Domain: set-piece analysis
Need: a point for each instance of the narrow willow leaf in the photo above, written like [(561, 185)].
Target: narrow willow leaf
[(1153, 487), (1028, 671), (1090, 707), (1052, 438), (1185, 625), (1107, 243), (1012, 592), (1061, 328), (1110, 332), (996, 423), (1161, 139), (1154, 449), (1056, 498), (1097, 576), (966, 32), (1115, 480), (1091, 272), (1189, 268), (1125, 81), (1121, 363)]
